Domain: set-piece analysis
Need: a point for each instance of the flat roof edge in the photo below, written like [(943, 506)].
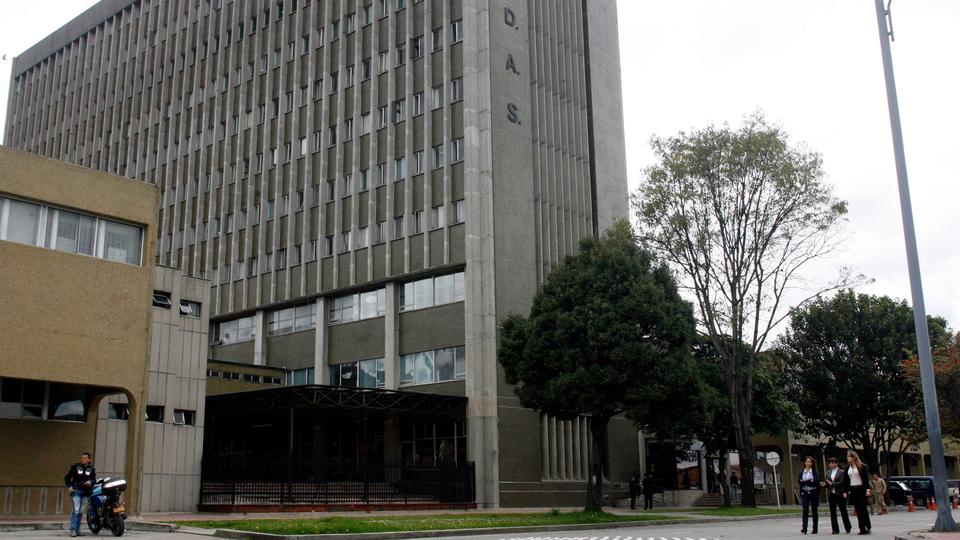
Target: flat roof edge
[(63, 36)]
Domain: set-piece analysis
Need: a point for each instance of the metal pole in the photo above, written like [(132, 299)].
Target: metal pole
[(776, 486), (944, 520)]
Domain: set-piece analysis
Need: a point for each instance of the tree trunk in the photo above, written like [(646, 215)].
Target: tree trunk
[(724, 462), (743, 435), (598, 431)]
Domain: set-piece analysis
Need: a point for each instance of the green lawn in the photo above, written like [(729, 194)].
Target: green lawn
[(425, 522)]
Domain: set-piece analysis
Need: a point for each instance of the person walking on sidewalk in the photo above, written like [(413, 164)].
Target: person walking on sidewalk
[(878, 503), (635, 482), (838, 489), (734, 487), (809, 482), (79, 478), (859, 474)]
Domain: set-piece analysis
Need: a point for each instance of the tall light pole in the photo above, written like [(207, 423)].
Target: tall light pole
[(944, 520)]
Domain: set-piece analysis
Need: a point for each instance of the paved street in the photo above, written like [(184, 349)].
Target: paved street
[(885, 527)]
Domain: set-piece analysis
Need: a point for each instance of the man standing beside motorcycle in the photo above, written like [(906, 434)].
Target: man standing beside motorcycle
[(79, 479)]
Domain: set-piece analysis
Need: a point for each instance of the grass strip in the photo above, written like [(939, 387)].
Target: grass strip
[(424, 522)]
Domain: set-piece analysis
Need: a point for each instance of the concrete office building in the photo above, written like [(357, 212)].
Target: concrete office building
[(370, 185), (75, 288)]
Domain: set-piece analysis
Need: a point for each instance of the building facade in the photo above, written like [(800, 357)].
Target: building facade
[(175, 399), (369, 186), (76, 282)]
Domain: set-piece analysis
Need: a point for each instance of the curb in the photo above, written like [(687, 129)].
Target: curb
[(446, 533), (131, 525)]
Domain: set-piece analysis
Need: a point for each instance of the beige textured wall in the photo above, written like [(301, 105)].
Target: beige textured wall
[(71, 318)]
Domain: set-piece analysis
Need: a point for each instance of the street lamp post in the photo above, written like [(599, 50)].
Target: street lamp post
[(944, 520)]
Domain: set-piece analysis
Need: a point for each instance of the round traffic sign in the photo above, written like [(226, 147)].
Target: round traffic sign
[(773, 459)]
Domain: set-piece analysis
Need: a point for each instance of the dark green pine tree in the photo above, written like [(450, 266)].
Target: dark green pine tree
[(608, 334)]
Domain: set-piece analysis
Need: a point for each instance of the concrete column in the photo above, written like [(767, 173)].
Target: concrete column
[(391, 345), (321, 375), (260, 340)]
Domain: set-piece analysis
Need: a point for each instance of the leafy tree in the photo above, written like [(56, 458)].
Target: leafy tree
[(608, 334), (773, 410), (738, 214), (847, 370), (946, 369)]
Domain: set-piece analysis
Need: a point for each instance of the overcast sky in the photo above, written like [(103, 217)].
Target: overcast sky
[(813, 67)]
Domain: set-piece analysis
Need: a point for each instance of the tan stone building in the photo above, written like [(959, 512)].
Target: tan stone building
[(76, 273)]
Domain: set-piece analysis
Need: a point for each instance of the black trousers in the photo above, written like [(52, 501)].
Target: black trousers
[(810, 501), (838, 502), (858, 498), (648, 501), (633, 499)]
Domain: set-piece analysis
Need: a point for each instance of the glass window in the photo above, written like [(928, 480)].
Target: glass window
[(444, 289), (70, 232), (460, 371), (118, 411), (369, 374), (444, 360), (423, 293), (304, 318), (423, 367), (120, 242), (154, 413), (406, 369), (348, 375), (458, 290), (190, 309), (67, 402), (245, 330), (21, 399), (368, 305), (23, 222)]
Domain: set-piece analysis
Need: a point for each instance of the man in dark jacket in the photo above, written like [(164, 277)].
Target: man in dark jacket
[(649, 488), (634, 488), (838, 489), (79, 478)]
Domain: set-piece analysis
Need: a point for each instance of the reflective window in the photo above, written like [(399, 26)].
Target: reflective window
[(22, 222), (235, 331), (70, 232), (362, 374), (289, 320), (67, 402), (439, 365), (119, 242), (431, 292), (21, 399), (300, 377), (359, 306)]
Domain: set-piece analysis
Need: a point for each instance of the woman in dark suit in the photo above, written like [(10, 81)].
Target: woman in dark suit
[(809, 482), (858, 478)]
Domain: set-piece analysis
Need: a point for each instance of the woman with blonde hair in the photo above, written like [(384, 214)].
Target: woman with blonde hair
[(859, 476)]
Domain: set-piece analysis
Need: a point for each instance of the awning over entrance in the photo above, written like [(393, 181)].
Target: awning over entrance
[(319, 397), (328, 445)]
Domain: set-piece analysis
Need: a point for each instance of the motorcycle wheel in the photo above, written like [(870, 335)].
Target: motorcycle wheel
[(94, 524), (118, 526)]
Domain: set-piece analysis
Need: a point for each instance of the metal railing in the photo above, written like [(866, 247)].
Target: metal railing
[(310, 484)]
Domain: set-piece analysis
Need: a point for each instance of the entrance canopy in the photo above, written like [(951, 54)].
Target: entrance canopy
[(319, 397)]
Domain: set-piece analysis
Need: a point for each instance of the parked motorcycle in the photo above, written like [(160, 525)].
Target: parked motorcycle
[(106, 509)]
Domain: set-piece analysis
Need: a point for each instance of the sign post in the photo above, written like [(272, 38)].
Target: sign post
[(773, 459)]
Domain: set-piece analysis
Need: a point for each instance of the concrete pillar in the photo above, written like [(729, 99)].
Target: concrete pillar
[(260, 339), (391, 345), (321, 375)]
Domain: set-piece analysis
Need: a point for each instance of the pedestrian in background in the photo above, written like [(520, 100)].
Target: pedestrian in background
[(878, 503), (859, 475), (649, 488), (734, 486), (635, 482), (838, 489), (809, 482)]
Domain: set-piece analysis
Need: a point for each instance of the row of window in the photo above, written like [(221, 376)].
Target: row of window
[(433, 366), (188, 308), (245, 377), (433, 291), (300, 377), (420, 294), (20, 398), (71, 232), (290, 320), (235, 331), (358, 307), (361, 374)]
